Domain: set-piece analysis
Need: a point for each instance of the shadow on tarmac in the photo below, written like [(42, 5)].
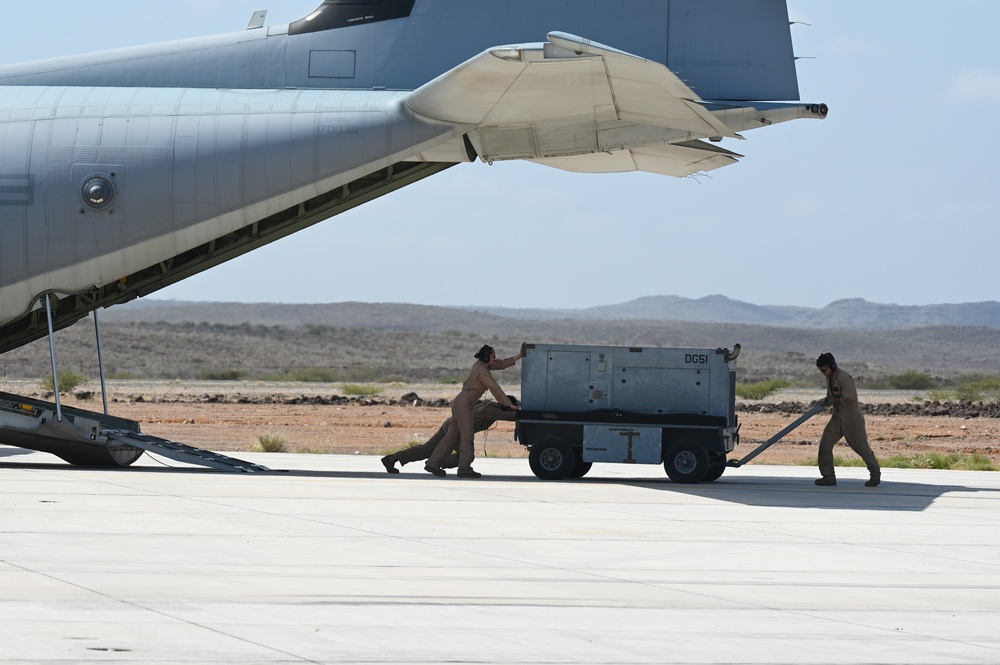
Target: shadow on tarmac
[(763, 491), (849, 494)]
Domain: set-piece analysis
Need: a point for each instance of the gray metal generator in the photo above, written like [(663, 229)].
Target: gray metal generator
[(586, 404)]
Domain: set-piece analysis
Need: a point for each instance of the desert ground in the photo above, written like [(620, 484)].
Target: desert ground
[(233, 416)]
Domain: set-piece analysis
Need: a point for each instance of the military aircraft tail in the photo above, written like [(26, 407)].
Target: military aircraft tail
[(124, 171)]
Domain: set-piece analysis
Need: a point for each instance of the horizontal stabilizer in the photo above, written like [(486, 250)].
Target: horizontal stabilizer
[(563, 98), (646, 91)]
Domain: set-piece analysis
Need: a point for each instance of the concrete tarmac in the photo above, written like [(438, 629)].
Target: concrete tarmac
[(333, 560)]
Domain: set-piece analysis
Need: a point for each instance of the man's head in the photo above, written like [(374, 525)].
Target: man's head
[(513, 400), (485, 353), (826, 363)]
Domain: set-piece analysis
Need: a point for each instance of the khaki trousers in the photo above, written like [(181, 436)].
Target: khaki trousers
[(423, 451), (462, 436), (849, 426)]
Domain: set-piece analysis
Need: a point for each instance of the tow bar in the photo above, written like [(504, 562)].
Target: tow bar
[(777, 437)]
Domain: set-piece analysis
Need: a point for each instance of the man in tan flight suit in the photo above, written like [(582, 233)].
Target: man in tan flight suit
[(484, 414), (461, 436), (847, 422)]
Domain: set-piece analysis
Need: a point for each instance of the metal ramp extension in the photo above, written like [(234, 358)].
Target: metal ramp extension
[(183, 453)]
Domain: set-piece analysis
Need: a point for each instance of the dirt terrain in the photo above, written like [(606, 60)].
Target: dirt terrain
[(205, 415)]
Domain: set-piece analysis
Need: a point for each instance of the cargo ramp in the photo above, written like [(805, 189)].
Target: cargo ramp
[(88, 438)]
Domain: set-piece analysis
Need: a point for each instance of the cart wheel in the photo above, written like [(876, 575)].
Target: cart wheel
[(686, 462), (551, 459), (715, 471), (580, 468)]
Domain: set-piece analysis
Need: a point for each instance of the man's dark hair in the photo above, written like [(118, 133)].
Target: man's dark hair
[(513, 400), (826, 360)]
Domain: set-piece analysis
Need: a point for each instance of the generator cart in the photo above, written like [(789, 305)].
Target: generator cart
[(586, 404)]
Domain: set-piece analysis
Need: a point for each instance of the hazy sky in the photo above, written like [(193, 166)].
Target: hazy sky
[(894, 198)]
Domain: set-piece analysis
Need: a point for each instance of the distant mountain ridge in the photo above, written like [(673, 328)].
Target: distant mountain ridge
[(393, 341), (848, 314)]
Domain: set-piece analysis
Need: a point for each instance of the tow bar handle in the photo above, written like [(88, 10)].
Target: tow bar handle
[(779, 436)]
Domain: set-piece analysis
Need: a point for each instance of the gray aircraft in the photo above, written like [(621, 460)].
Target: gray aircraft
[(124, 171)]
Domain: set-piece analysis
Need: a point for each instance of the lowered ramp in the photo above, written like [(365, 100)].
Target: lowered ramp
[(89, 438), (182, 452)]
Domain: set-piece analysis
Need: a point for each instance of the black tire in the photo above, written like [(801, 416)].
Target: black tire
[(552, 459), (686, 461), (580, 468), (715, 472)]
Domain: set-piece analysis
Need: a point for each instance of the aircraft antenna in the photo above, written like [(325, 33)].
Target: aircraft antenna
[(257, 19), (698, 176)]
